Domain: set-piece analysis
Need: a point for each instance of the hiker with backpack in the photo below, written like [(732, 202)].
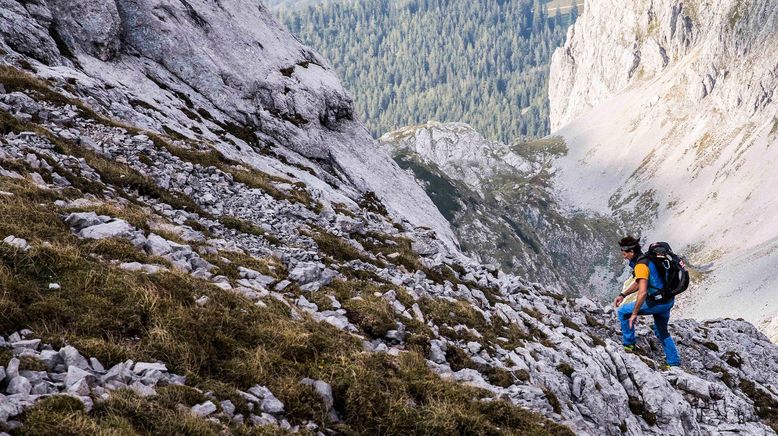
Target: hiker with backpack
[(659, 276)]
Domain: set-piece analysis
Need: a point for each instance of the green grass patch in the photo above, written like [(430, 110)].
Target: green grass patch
[(711, 346), (453, 313), (638, 408), (565, 369), (567, 322), (726, 377), (552, 400), (372, 314), (766, 407), (30, 363), (337, 248), (597, 341), (533, 313), (593, 322)]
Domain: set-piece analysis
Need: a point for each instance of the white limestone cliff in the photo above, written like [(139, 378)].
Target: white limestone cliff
[(669, 114)]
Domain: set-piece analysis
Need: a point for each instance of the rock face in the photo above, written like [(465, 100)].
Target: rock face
[(669, 112), (498, 200), (227, 74), (705, 47)]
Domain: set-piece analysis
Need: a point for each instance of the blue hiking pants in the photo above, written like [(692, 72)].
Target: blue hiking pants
[(661, 314)]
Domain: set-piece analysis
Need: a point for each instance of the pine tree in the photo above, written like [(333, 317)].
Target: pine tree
[(411, 61)]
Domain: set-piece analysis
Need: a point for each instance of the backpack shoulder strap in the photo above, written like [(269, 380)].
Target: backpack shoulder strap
[(642, 259)]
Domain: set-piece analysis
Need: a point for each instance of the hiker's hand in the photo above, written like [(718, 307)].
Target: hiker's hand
[(632, 320), (617, 301)]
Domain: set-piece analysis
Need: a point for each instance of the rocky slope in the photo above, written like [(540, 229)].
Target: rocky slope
[(227, 75), (498, 200), (228, 290), (669, 112)]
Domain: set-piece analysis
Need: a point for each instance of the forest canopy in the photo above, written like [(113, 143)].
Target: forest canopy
[(406, 62)]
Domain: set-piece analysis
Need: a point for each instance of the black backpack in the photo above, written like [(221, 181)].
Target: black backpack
[(670, 267)]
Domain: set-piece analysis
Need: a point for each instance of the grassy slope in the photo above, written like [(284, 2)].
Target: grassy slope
[(227, 344)]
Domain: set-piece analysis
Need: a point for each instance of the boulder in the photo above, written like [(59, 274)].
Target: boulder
[(31, 344), (228, 408), (204, 409), (79, 388), (152, 377), (19, 243), (18, 385), (91, 26), (141, 367), (324, 391), (270, 404), (114, 229), (81, 220), (306, 272), (143, 390), (96, 365), (72, 357), (119, 373), (280, 286), (12, 370), (438, 351), (157, 245), (142, 267), (76, 375)]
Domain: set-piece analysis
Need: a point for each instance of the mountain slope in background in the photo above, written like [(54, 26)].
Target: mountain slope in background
[(411, 61), (669, 112), (500, 204)]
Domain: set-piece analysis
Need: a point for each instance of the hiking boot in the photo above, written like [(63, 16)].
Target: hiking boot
[(630, 348)]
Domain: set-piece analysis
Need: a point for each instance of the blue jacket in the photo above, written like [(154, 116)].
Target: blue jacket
[(655, 280)]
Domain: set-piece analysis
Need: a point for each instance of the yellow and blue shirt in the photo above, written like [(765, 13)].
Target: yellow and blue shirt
[(647, 270)]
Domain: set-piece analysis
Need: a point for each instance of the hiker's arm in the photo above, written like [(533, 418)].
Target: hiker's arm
[(619, 298), (642, 293)]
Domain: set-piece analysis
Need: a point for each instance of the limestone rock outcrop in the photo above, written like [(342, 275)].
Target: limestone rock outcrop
[(226, 73)]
